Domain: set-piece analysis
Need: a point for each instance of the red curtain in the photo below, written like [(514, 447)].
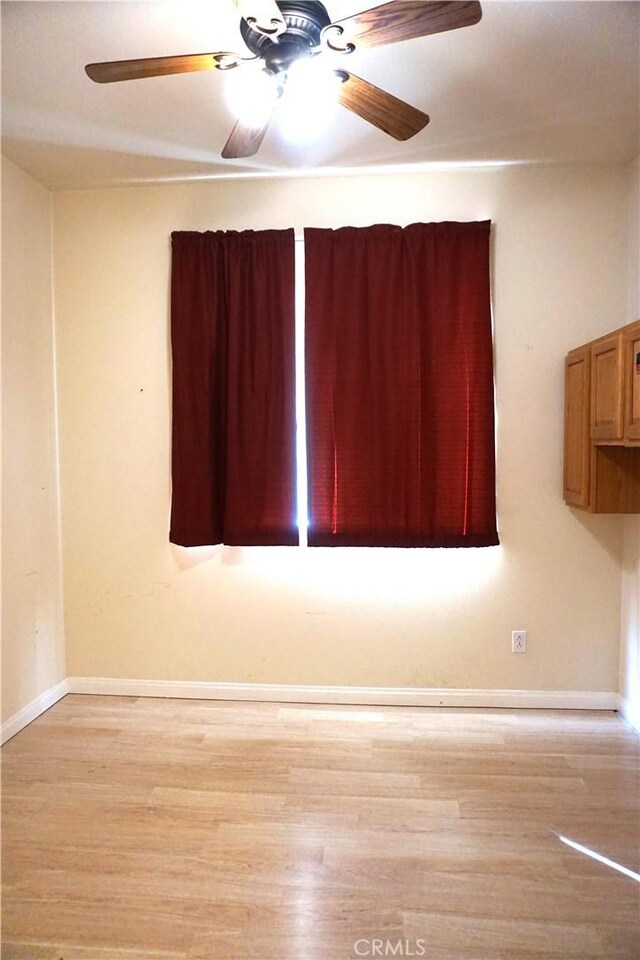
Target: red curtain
[(399, 373), (232, 337)]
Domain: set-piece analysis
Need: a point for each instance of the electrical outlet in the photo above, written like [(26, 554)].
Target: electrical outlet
[(518, 641)]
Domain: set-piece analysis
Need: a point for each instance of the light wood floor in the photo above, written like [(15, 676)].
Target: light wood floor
[(140, 828)]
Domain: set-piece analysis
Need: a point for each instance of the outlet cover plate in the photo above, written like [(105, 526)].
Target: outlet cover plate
[(518, 641)]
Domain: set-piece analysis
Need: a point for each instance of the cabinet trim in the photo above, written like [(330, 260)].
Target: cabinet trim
[(576, 440), (631, 359)]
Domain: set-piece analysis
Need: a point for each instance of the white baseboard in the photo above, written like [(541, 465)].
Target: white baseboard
[(300, 693), (630, 716), (32, 710), (372, 696)]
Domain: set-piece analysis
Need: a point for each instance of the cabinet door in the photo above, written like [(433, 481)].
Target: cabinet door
[(606, 389), (632, 382), (577, 445)]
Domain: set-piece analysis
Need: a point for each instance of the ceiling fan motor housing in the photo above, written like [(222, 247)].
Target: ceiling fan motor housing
[(305, 21)]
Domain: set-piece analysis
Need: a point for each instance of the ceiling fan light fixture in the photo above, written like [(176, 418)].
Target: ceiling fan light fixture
[(308, 99), (251, 95)]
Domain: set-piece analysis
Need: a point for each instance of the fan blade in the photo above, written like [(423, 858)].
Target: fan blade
[(395, 117), (263, 15), (400, 20), (159, 66), (244, 140)]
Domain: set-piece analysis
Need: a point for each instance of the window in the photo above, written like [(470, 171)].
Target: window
[(399, 424)]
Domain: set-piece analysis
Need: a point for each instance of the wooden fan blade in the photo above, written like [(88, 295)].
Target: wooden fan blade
[(400, 20), (264, 16), (244, 140), (395, 117), (159, 66)]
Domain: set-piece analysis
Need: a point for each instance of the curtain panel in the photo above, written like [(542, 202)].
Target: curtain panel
[(399, 386), (233, 431)]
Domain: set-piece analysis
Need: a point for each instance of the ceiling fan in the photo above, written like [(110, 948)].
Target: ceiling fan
[(283, 35)]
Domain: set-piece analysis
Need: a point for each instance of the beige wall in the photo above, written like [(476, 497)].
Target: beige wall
[(630, 607), (138, 607), (32, 624)]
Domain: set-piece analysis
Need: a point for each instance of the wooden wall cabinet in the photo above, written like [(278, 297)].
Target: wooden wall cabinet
[(602, 423)]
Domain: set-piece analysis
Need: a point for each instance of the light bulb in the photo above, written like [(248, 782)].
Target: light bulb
[(309, 97), (251, 95)]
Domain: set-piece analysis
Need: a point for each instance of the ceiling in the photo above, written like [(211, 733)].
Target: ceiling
[(548, 81)]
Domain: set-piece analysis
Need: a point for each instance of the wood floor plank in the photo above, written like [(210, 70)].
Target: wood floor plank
[(65, 951), (147, 829), (457, 936)]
